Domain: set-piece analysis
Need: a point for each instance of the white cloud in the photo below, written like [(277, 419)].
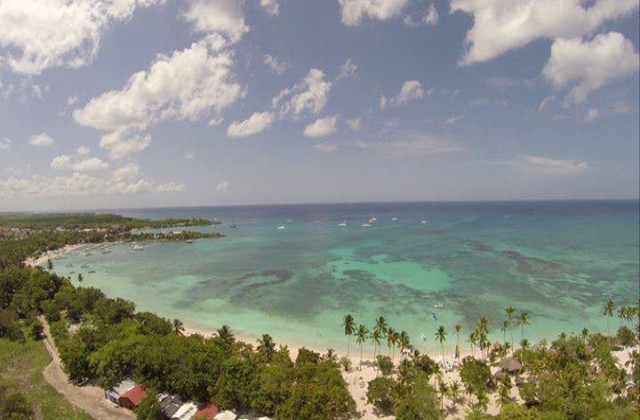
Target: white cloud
[(322, 127), (355, 123), (430, 18), (84, 165), (121, 181), (277, 66), (271, 6), (411, 90), (326, 148), (500, 26), (592, 115), (353, 11), (120, 145), (190, 155), (541, 166), (42, 139), (348, 70), (170, 187), (83, 151), (310, 95), (5, 144), (218, 16), (72, 100), (453, 119), (256, 123), (215, 121), (186, 85), (223, 186), (545, 102), (410, 144), (38, 35), (591, 64)]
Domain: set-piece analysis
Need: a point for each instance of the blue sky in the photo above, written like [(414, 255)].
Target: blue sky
[(131, 103)]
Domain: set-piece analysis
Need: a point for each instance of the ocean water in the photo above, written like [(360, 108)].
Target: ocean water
[(558, 261)]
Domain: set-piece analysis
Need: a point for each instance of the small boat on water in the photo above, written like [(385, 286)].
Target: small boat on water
[(424, 222), (438, 306), (137, 248), (282, 227), (434, 316), (372, 220), (232, 226), (423, 337), (366, 225), (395, 219), (343, 224), (189, 241)]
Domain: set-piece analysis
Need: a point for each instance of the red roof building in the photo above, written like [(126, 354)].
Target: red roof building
[(133, 397), (206, 413)]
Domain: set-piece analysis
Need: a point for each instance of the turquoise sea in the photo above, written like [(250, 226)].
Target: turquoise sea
[(559, 261)]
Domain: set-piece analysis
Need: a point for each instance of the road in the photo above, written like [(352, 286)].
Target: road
[(88, 398)]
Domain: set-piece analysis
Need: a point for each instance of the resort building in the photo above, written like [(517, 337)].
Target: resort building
[(133, 398), (206, 413), (114, 393)]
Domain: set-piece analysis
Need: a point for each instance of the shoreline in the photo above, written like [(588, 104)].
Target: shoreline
[(360, 375)]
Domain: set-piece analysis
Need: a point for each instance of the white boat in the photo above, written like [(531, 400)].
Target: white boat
[(424, 222), (395, 219), (137, 248), (365, 225), (343, 224), (438, 306), (282, 227), (372, 220)]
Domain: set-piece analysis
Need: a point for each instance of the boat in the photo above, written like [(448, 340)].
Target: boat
[(423, 337), (232, 226), (424, 222), (438, 306), (365, 225), (434, 316), (395, 219), (372, 220), (137, 248), (282, 227), (189, 241), (343, 224)]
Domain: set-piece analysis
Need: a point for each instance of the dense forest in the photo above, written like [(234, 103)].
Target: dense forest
[(104, 340)]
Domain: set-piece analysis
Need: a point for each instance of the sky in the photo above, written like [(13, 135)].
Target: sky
[(146, 103)]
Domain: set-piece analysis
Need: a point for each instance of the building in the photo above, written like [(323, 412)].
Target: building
[(226, 415), (133, 397), (169, 405), (185, 412), (114, 393), (207, 413)]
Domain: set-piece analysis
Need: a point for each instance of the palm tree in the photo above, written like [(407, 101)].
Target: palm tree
[(585, 334), (510, 311), (441, 336), (404, 341), (178, 326), (503, 329), (226, 335), (443, 389), (458, 328), (523, 319), (266, 346), (361, 336), (375, 339), (396, 341), (524, 343), (609, 308), (381, 325), (473, 341), (391, 340), (349, 325)]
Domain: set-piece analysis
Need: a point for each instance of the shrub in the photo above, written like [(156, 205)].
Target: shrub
[(346, 364), (385, 364), (381, 393)]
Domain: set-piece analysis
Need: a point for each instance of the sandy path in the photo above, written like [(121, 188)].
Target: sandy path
[(89, 399)]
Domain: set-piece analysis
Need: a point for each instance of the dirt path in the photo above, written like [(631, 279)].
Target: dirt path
[(89, 399)]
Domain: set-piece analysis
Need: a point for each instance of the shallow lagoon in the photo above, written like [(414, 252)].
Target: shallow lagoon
[(559, 261)]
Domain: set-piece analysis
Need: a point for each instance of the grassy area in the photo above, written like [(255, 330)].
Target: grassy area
[(21, 366)]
